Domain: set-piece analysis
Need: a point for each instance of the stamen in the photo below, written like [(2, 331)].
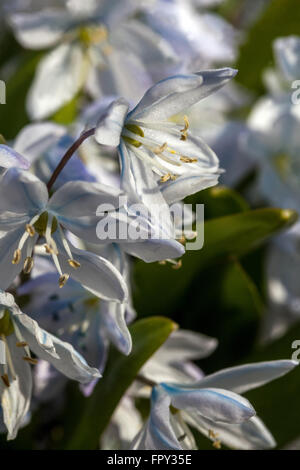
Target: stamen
[(21, 344), (71, 261), (30, 230), (165, 178), (49, 249), (184, 131), (217, 444), (175, 264), (63, 280), (188, 159), (28, 265), (30, 360), (17, 256), (74, 264), (5, 379), (160, 149), (214, 436), (178, 265)]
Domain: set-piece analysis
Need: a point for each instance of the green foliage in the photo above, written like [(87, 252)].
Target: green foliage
[(147, 336), (281, 18), (159, 288)]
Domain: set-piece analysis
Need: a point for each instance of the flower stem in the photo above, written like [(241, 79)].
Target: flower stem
[(69, 153)]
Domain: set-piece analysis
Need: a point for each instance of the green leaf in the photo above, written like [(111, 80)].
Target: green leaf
[(281, 18), (13, 115), (229, 308), (219, 201), (158, 288), (147, 335)]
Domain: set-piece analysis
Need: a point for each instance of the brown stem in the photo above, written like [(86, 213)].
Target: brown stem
[(69, 153)]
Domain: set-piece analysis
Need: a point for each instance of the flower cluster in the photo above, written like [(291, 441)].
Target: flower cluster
[(84, 199)]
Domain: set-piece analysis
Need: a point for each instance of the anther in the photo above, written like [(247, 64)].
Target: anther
[(160, 149), (165, 178), (182, 240), (49, 249), (30, 360), (30, 230), (74, 264), (217, 444), (183, 131), (5, 380), (178, 265), (21, 344), (63, 280), (188, 159), (28, 265), (17, 256)]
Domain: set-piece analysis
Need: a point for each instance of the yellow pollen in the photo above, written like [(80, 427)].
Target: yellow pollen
[(188, 159), (165, 178), (160, 149), (30, 360), (21, 344), (178, 265), (182, 240), (214, 436), (28, 265), (17, 256), (217, 444), (63, 280), (93, 35), (184, 131), (74, 264), (5, 380), (30, 230), (50, 250), (162, 263)]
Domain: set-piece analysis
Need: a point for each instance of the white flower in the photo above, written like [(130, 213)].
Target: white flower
[(97, 45), (212, 405), (19, 335), (26, 213), (158, 157)]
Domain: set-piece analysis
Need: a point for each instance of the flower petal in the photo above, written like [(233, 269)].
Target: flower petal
[(158, 433), (11, 158), (175, 94), (116, 327), (110, 126), (213, 403), (76, 205), (287, 52), (243, 378), (59, 76), (249, 435), (22, 193), (35, 139), (96, 274), (36, 30), (59, 353), (15, 399)]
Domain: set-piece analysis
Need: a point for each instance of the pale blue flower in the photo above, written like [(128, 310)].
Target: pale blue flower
[(98, 45), (26, 212), (212, 405), (19, 335)]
